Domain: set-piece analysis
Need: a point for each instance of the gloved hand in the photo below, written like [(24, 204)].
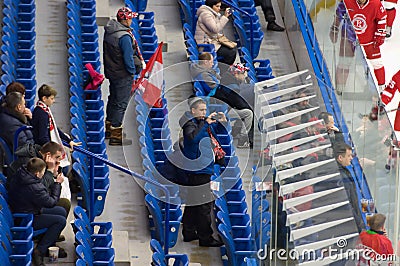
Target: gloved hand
[(378, 40)]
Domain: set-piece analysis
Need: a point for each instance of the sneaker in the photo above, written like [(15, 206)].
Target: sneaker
[(272, 26), (61, 238), (243, 145)]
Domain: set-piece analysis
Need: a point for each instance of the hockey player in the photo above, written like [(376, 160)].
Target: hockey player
[(369, 21), (343, 27), (388, 94), (390, 6)]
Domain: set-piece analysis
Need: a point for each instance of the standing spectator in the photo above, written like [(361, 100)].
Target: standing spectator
[(335, 135), (376, 238), (369, 22), (16, 87), (209, 27), (122, 61), (269, 14), (198, 131), (390, 6), (344, 155), (11, 118), (44, 125), (27, 194)]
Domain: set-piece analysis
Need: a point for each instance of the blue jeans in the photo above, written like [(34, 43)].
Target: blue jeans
[(120, 93), (54, 219)]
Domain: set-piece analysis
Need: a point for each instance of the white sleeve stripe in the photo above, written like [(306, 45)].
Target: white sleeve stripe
[(388, 94)]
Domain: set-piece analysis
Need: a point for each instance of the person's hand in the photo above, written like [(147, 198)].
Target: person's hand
[(50, 162), (378, 41), (210, 119), (60, 178), (333, 128), (27, 113), (72, 144), (222, 117), (228, 12)]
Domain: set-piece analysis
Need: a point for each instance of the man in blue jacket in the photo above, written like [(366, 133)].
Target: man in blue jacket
[(27, 194), (122, 60), (197, 131)]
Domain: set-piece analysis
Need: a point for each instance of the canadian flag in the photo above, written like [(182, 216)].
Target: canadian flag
[(151, 86)]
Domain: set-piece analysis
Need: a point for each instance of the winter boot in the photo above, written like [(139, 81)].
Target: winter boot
[(116, 137), (108, 129)]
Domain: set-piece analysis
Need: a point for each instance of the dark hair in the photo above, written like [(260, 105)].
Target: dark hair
[(15, 86), (13, 99), (52, 147), (211, 3), (205, 56), (35, 165), (46, 90), (325, 116), (341, 148), (377, 221)]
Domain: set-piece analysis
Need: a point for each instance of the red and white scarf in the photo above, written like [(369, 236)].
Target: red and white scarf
[(54, 136)]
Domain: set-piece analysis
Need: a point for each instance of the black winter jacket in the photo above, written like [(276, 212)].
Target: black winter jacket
[(10, 121), (27, 194)]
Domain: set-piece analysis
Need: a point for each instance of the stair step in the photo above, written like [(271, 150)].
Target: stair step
[(120, 244)]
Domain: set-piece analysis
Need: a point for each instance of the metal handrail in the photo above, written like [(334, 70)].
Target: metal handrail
[(94, 157), (235, 8)]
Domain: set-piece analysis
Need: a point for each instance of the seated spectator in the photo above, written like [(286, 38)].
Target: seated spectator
[(27, 194), (344, 155), (16, 87), (44, 125), (376, 237), (209, 27), (335, 135), (210, 81), (303, 105), (11, 118)]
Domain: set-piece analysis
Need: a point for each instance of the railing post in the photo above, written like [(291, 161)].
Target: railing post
[(91, 192)]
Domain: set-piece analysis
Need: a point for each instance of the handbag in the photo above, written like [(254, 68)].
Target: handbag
[(223, 40)]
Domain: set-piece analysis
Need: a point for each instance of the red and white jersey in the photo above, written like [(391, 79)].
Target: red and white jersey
[(391, 1), (368, 21), (393, 86)]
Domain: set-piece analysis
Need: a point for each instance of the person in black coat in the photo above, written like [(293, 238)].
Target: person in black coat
[(27, 194), (11, 118)]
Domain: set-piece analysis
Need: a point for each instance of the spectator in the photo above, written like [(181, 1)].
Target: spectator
[(344, 155), (209, 27), (303, 105), (197, 128), (376, 237), (210, 81), (269, 14), (335, 135), (371, 31), (122, 61), (11, 118), (27, 194), (16, 87), (44, 125)]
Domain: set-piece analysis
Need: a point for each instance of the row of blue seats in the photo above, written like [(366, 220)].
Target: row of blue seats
[(18, 42), (87, 107), (155, 142), (144, 31), (94, 240)]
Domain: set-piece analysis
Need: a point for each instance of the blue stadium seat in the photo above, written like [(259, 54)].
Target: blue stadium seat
[(162, 259), (97, 257)]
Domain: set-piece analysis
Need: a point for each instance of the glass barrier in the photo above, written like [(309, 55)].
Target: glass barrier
[(367, 126)]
